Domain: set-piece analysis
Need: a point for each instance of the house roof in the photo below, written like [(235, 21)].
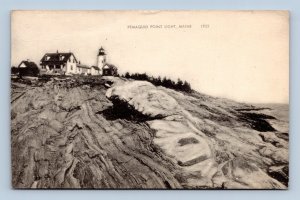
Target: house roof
[(109, 66), (83, 66), (96, 68), (28, 64), (57, 58)]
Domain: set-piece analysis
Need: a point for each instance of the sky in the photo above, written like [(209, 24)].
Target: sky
[(240, 55)]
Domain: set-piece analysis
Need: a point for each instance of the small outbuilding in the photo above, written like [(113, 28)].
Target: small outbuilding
[(28, 68), (109, 70), (95, 70), (83, 69)]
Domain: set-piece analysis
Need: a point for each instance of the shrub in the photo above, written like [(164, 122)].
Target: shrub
[(165, 82)]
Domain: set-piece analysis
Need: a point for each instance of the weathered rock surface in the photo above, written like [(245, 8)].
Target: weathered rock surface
[(76, 133), (145, 98), (214, 148)]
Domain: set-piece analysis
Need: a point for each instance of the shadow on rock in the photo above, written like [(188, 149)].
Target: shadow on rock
[(119, 112), (257, 121)]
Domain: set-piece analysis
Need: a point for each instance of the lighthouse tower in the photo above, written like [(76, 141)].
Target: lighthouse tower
[(101, 59)]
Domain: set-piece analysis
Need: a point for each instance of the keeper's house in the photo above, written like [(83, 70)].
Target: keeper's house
[(59, 63), (68, 64)]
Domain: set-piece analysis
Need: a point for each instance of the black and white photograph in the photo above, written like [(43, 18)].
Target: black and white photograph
[(149, 99)]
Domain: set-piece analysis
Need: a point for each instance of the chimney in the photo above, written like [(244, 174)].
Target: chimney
[(56, 51)]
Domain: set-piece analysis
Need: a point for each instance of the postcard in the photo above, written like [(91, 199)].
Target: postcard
[(150, 99)]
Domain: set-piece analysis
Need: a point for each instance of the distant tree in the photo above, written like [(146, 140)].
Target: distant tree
[(169, 83), (179, 84), (186, 87), (144, 77), (134, 76), (173, 84), (158, 80), (127, 75), (116, 73), (165, 82)]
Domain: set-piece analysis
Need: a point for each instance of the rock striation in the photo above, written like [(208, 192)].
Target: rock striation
[(118, 133)]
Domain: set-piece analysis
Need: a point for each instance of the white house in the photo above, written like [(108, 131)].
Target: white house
[(59, 63)]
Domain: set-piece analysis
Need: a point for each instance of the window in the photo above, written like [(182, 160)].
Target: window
[(72, 67)]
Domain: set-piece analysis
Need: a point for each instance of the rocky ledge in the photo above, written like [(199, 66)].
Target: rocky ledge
[(209, 154), (78, 134)]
